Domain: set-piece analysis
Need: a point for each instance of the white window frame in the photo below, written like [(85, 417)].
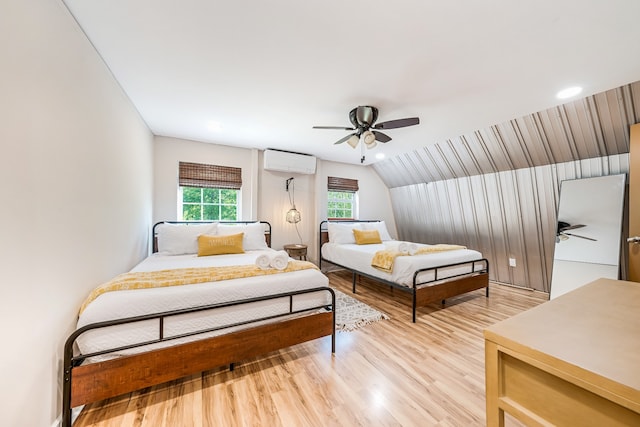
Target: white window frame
[(354, 204), (203, 204)]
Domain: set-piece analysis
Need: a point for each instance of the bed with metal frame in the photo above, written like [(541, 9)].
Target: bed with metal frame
[(90, 382), (422, 292)]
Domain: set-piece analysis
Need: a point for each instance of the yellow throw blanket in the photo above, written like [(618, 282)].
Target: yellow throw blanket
[(187, 276), (384, 260), (438, 248)]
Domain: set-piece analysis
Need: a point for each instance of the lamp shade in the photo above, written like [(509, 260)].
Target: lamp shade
[(369, 139), (353, 141), (293, 215)]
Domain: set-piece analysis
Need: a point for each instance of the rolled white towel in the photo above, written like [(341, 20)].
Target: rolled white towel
[(397, 246), (263, 261), (280, 260), (412, 248)]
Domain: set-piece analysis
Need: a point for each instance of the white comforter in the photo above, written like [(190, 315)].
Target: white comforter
[(358, 257), (127, 303)]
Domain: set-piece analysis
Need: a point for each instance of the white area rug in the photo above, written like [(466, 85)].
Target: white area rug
[(352, 314)]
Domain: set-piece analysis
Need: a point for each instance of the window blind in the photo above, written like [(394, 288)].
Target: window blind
[(342, 184), (209, 176)]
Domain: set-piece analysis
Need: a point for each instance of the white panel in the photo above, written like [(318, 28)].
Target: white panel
[(284, 161)]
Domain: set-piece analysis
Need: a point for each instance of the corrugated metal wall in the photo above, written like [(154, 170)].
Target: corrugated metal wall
[(497, 189), (510, 214)]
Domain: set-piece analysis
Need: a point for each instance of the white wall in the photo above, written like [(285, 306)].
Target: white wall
[(264, 196), (373, 195), (274, 204), (76, 182), (168, 152)]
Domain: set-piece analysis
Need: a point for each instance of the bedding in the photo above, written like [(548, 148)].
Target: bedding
[(220, 245), (359, 258), (253, 238), (366, 237), (431, 273), (177, 239), (129, 303)]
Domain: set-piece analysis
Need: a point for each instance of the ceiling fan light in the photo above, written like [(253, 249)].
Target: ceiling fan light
[(353, 141), (369, 139)]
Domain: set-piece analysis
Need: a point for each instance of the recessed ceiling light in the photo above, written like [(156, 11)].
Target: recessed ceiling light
[(569, 92), (380, 156)]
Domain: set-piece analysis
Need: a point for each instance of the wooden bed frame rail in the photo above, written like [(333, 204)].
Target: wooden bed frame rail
[(96, 381), (423, 292)]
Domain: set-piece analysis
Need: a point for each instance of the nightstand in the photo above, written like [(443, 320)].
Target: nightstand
[(296, 251)]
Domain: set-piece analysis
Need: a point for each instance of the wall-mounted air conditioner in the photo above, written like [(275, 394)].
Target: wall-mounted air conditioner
[(285, 161)]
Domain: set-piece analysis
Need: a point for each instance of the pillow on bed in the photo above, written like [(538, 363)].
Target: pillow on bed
[(180, 239), (253, 234), (342, 233), (220, 245), (366, 237), (381, 227)]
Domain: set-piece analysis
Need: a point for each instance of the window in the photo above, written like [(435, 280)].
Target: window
[(208, 192), (341, 204), (209, 204), (342, 198)]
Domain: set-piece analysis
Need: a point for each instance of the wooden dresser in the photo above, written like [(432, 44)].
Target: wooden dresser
[(573, 361)]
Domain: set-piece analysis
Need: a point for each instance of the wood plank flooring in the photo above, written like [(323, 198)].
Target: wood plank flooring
[(391, 373)]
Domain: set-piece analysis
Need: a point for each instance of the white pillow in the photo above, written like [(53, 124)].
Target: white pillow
[(381, 227), (180, 239), (342, 233), (253, 238)]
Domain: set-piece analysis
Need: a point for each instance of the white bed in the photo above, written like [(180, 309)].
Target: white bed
[(358, 257), (130, 303), (127, 340), (430, 278)]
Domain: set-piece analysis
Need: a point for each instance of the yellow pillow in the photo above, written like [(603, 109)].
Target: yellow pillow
[(219, 245), (366, 237)]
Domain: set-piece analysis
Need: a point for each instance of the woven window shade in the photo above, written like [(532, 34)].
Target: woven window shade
[(342, 184), (209, 176)]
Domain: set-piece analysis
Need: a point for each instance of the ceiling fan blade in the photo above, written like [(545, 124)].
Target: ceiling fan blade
[(333, 127), (340, 141), (582, 237), (381, 136), (400, 123), (572, 227)]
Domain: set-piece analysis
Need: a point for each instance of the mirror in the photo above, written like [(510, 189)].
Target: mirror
[(589, 232)]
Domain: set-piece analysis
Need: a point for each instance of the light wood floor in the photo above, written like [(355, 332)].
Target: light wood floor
[(391, 373)]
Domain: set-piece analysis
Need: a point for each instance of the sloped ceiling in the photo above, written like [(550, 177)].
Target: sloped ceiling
[(259, 74), (595, 126)]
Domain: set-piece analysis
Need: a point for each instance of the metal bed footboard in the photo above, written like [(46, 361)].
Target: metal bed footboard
[(485, 269), (71, 361), (415, 286)]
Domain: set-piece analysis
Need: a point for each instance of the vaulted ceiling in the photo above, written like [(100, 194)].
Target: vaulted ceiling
[(261, 74), (596, 126)]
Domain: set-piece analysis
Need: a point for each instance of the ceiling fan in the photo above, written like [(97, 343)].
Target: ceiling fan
[(563, 227), (363, 119)]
